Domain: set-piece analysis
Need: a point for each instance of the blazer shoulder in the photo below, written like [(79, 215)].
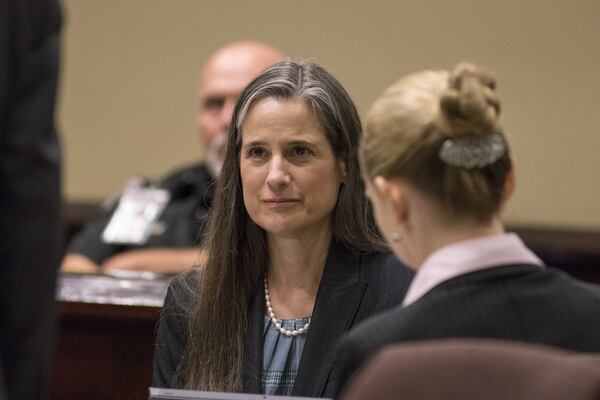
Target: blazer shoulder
[(361, 343), (384, 262), (171, 332), (183, 290), (386, 269), (181, 295), (380, 328)]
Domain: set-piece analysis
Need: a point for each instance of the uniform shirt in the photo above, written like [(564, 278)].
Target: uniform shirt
[(180, 225)]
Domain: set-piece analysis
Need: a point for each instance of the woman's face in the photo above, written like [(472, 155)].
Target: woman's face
[(290, 176)]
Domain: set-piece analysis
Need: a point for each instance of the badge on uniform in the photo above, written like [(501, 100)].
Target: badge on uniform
[(138, 211)]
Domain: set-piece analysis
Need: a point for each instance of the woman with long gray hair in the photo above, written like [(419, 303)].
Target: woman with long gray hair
[(294, 259)]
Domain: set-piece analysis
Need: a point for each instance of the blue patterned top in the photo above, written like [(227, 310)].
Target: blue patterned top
[(281, 356)]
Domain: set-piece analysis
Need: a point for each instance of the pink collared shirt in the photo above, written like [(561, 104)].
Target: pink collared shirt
[(468, 256)]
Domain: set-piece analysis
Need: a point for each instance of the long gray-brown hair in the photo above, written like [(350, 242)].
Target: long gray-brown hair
[(238, 255)]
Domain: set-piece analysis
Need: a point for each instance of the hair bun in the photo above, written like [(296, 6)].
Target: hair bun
[(469, 105)]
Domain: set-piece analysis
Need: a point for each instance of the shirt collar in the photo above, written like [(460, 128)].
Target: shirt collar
[(468, 256)]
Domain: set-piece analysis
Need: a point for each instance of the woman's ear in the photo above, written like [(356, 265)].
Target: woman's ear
[(393, 193), (509, 185)]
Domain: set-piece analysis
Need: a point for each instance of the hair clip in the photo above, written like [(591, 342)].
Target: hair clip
[(472, 151)]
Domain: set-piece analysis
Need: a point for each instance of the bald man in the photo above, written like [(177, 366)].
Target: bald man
[(175, 209)]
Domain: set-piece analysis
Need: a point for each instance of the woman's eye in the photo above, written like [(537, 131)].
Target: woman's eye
[(300, 151), (256, 152)]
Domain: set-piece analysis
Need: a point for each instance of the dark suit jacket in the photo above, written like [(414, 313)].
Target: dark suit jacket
[(353, 287), (518, 302), (29, 192)]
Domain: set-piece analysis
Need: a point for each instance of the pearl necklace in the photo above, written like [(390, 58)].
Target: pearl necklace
[(276, 321)]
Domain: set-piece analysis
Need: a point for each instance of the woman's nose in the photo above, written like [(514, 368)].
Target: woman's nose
[(278, 176)]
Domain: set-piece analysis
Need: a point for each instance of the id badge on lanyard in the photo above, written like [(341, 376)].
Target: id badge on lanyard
[(138, 210)]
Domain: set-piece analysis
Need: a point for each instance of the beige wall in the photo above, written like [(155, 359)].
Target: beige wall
[(127, 100)]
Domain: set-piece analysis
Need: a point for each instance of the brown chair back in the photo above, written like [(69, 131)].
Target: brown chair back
[(476, 369)]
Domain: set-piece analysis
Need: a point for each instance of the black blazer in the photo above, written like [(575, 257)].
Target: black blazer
[(518, 302), (353, 287)]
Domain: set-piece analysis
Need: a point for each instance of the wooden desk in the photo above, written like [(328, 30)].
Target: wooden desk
[(104, 351)]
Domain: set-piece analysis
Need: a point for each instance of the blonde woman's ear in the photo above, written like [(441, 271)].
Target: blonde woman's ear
[(509, 185), (381, 185), (394, 194)]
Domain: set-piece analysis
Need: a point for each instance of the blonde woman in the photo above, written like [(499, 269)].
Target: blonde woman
[(438, 170)]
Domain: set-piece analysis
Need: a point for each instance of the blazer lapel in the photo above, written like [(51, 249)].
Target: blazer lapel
[(338, 298), (253, 361)]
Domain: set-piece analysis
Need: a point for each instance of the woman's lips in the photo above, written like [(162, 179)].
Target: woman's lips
[(280, 203)]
